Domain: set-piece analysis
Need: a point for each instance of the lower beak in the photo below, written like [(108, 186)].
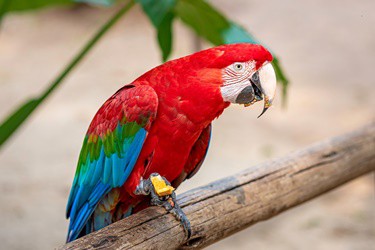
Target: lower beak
[(267, 104), (246, 96), (253, 92)]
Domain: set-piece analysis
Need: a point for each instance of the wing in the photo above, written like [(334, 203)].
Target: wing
[(197, 155), (110, 150)]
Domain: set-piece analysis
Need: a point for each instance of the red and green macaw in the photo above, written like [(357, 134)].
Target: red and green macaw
[(161, 123)]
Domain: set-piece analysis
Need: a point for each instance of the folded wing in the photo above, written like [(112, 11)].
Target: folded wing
[(110, 150)]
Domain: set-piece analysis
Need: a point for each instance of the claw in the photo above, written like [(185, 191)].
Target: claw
[(181, 216), (163, 194)]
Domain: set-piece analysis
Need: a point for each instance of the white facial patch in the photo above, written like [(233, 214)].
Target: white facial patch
[(231, 91), (238, 72), (235, 79)]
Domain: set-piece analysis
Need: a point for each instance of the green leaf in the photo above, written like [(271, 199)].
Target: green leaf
[(13, 122), (97, 2), (161, 16), (16, 119), (24, 5), (4, 5), (165, 37), (17, 5), (203, 19), (281, 78), (237, 34), (157, 10), (210, 24)]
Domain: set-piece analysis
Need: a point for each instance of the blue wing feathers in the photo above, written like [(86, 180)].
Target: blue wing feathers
[(116, 162), (98, 170), (133, 153), (107, 169), (100, 177), (108, 157)]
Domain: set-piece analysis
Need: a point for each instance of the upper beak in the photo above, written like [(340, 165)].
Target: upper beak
[(265, 81)]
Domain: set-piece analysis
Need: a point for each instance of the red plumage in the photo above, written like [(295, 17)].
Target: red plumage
[(188, 97)]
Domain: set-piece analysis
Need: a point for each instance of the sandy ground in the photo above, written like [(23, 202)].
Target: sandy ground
[(327, 48)]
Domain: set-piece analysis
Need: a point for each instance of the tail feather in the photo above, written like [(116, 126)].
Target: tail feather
[(109, 210)]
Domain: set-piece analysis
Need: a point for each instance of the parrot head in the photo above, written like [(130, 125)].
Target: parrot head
[(245, 72), (244, 84), (249, 77)]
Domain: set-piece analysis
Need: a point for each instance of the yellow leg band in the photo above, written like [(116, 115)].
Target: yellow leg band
[(161, 188)]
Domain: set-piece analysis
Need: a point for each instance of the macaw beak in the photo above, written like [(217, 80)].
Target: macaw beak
[(267, 78), (263, 86)]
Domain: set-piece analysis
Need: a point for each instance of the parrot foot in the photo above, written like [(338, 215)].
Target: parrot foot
[(163, 194)]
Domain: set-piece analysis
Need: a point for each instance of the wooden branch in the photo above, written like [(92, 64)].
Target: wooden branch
[(229, 205)]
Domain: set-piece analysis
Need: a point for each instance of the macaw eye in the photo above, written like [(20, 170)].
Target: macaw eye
[(238, 67)]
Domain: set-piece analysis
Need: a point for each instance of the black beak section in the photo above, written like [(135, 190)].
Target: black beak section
[(251, 94), (246, 95), (255, 83)]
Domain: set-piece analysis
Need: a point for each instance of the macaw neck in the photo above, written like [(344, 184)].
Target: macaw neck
[(201, 105), (187, 96)]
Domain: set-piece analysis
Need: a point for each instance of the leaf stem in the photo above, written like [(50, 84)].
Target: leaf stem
[(12, 122), (103, 30)]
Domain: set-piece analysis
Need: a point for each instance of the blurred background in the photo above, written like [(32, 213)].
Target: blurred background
[(327, 50)]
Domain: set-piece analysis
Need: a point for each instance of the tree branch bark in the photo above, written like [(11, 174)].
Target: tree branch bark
[(229, 205)]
